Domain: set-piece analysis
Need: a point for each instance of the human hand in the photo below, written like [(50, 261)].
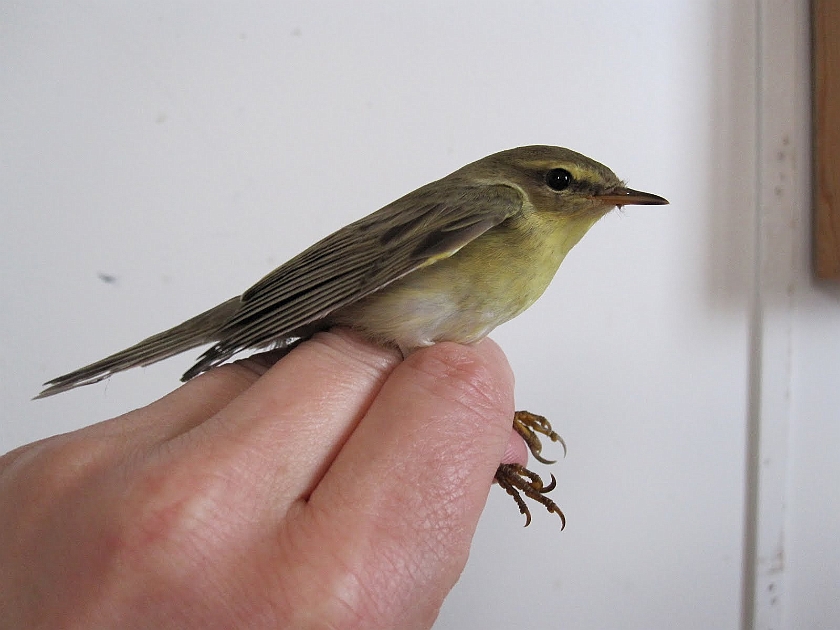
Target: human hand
[(339, 489)]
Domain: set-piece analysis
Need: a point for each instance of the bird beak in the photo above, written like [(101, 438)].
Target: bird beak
[(627, 197)]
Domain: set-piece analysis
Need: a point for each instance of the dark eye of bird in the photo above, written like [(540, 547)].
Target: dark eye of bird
[(558, 179)]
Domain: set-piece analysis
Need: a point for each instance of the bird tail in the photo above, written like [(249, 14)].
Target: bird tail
[(194, 332)]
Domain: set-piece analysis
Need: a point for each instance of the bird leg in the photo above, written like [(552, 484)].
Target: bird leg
[(515, 477)]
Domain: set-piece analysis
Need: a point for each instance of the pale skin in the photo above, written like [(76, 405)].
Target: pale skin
[(339, 489)]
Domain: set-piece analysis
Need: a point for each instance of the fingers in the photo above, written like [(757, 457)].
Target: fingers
[(288, 425), (342, 485), (410, 483), (438, 429)]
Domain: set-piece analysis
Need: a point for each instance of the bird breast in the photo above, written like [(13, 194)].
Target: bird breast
[(465, 296)]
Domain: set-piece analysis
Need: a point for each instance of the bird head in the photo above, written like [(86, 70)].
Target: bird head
[(559, 181)]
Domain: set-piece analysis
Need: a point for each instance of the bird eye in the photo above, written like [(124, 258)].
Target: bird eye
[(558, 179)]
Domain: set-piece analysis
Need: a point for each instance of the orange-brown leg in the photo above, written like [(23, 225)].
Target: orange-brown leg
[(515, 478)]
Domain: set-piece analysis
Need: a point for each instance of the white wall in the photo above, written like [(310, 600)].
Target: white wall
[(176, 147)]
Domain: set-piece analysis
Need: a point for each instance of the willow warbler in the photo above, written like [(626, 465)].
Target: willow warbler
[(448, 262)]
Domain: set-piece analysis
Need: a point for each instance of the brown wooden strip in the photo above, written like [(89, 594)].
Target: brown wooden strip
[(826, 42)]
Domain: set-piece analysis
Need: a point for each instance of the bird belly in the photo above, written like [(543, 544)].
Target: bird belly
[(410, 317), (461, 298)]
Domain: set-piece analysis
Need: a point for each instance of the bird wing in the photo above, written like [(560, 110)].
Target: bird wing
[(426, 225)]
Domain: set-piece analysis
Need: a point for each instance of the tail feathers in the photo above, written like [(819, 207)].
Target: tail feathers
[(199, 330)]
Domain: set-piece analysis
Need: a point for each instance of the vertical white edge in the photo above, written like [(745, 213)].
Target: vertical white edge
[(780, 155)]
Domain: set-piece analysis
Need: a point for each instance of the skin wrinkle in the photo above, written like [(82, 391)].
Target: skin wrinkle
[(66, 465), (72, 501), (210, 557), (342, 344), (392, 566), (462, 384), (463, 379), (235, 377), (299, 535)]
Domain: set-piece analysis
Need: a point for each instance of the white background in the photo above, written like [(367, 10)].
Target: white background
[(182, 150)]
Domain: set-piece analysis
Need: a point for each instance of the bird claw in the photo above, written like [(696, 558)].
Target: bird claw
[(515, 478), (527, 425), (550, 486)]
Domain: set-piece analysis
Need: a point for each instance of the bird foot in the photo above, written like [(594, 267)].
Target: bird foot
[(515, 478), (527, 425)]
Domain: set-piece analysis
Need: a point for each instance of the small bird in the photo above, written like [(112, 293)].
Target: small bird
[(448, 262)]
